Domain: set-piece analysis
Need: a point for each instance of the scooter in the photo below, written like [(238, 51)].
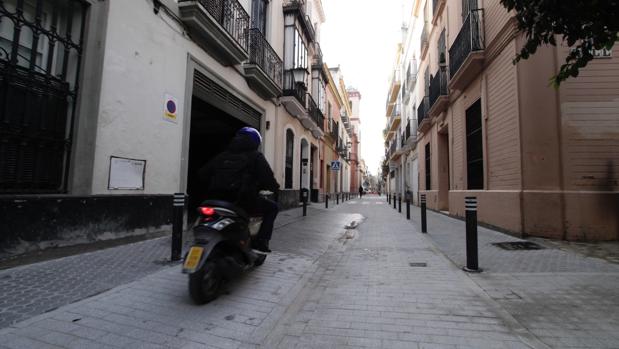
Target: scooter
[(221, 249)]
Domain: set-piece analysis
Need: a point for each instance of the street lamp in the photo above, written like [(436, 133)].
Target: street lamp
[(299, 74)]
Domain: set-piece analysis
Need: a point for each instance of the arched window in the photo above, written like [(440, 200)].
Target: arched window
[(289, 159)]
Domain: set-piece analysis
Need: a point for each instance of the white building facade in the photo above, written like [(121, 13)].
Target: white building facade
[(153, 90)]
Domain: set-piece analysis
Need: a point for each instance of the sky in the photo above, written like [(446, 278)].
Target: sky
[(361, 36)]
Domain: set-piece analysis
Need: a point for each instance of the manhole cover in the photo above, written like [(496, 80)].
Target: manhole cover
[(518, 245), (418, 264)]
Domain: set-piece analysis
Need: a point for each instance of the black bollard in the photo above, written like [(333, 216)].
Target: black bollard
[(395, 201), (304, 204), (470, 204), (400, 203), (424, 227), (326, 200), (389, 198), (177, 226), (337, 198), (408, 208)]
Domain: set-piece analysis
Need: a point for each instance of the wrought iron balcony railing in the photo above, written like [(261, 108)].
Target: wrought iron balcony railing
[(315, 113), (294, 88), (438, 86), (262, 54), (422, 110), (393, 148), (469, 39), (231, 15)]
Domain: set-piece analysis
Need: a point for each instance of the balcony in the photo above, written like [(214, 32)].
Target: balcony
[(316, 120), (424, 41), (263, 70), (411, 74), (395, 119), (437, 8), (467, 54), (439, 96), (317, 58), (392, 149), (220, 27), (297, 7), (410, 134), (294, 96), (423, 121), (394, 90), (335, 131)]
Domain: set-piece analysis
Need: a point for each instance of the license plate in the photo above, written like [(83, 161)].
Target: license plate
[(193, 258)]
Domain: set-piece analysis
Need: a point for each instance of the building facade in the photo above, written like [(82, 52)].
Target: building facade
[(109, 107), (541, 161)]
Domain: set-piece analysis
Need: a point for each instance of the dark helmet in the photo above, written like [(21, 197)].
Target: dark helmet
[(252, 133)]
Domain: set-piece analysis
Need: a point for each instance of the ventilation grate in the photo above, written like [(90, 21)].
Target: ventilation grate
[(418, 264), (518, 245)]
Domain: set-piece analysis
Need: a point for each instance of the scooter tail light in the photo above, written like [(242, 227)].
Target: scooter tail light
[(207, 211)]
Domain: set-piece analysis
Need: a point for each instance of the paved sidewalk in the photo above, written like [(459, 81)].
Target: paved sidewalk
[(381, 285), (566, 299), (38, 288)]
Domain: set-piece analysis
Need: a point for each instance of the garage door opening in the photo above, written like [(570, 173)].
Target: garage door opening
[(216, 115)]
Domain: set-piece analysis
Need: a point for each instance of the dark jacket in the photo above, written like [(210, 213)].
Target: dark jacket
[(259, 174)]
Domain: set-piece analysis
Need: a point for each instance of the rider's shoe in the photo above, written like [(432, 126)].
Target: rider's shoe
[(260, 245)]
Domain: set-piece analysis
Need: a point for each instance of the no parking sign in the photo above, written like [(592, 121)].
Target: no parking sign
[(170, 108)]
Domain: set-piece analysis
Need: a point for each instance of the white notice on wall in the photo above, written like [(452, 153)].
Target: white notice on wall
[(126, 173)]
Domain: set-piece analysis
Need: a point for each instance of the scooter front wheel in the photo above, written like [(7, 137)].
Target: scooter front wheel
[(204, 284)]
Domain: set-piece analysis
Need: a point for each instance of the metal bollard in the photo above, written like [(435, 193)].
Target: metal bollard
[(395, 201), (177, 226), (408, 208), (337, 198), (389, 198), (424, 227), (326, 200), (304, 204), (400, 203), (470, 204)]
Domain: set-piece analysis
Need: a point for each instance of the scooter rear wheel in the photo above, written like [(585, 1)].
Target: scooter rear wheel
[(204, 285)]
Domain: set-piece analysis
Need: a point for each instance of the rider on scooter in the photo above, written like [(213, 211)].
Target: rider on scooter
[(237, 175)]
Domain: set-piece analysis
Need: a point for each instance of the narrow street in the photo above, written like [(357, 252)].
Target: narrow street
[(379, 285)]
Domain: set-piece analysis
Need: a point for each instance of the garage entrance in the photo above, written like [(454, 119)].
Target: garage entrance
[(216, 115)]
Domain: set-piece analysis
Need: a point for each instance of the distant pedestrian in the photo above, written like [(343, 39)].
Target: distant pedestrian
[(360, 191)]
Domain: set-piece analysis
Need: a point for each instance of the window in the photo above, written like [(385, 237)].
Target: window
[(474, 147), (426, 77), (300, 51), (428, 167), (289, 159), (467, 7), (442, 49), (259, 15), (40, 52)]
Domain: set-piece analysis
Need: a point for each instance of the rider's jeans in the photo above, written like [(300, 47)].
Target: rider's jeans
[(268, 209)]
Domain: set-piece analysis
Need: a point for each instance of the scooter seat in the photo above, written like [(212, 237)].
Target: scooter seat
[(227, 205)]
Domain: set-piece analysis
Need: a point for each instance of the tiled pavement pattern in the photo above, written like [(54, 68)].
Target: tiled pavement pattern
[(327, 287), (564, 298), (156, 311), (35, 289)]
